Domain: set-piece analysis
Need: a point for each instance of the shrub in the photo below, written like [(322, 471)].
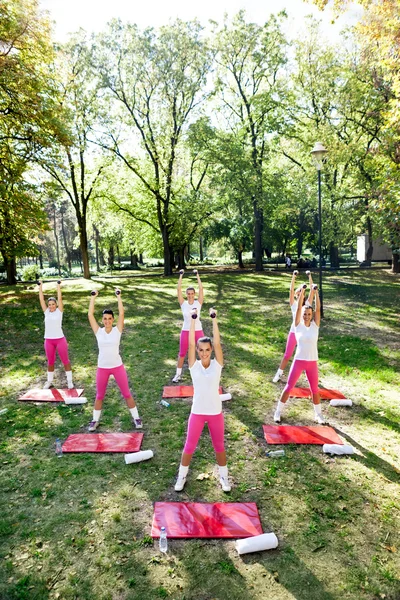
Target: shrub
[(30, 273)]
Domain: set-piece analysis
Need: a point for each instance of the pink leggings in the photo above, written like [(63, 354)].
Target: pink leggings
[(184, 341), (50, 347), (195, 427), (120, 376), (311, 369), (290, 345)]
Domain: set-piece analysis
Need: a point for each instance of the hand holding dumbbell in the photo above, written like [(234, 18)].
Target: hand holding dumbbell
[(94, 293), (117, 292), (194, 271), (194, 313), (315, 287), (308, 273), (59, 282), (213, 313), (38, 282), (295, 273), (304, 286), (181, 272)]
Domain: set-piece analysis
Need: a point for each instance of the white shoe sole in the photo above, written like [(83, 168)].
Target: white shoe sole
[(277, 418), (180, 484)]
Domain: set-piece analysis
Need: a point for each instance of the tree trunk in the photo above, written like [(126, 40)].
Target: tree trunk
[(83, 242), (57, 244), (166, 251), (118, 255), (181, 258), (141, 258), (134, 260), (299, 244), (111, 256), (395, 263), (258, 250), (370, 244), (201, 250), (334, 256), (67, 252), (240, 258), (96, 244), (11, 270), (41, 258)]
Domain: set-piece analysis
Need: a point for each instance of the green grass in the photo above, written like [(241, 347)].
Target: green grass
[(79, 527)]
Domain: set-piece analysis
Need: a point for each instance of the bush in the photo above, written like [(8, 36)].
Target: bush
[(30, 273)]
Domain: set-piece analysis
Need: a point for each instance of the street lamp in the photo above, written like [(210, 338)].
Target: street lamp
[(318, 154)]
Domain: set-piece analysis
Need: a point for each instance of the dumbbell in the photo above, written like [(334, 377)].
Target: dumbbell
[(38, 282), (59, 282), (213, 314), (295, 273), (92, 293), (304, 286), (194, 271), (315, 287), (308, 272), (117, 292), (194, 313), (181, 272)]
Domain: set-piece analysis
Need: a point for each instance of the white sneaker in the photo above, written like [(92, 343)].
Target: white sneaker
[(70, 386), (277, 377), (319, 419), (277, 417), (180, 484), (176, 378), (226, 486), (93, 425), (48, 385), (137, 423)]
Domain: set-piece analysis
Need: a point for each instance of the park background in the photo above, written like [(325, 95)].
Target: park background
[(128, 152)]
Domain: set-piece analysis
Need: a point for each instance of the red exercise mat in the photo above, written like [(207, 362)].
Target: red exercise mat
[(325, 393), (180, 391), (197, 520), (51, 395), (299, 434), (103, 442)]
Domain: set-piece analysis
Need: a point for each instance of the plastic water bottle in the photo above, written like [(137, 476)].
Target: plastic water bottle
[(59, 451), (275, 453), (164, 403), (163, 540), (3, 411)]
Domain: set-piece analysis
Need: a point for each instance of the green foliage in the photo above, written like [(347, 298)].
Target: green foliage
[(31, 273)]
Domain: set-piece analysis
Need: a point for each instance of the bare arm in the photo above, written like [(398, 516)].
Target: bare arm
[(179, 290), (312, 291), (192, 340), (121, 312), (59, 297), (292, 284), (317, 314), (201, 290), (217, 340), (41, 298), (299, 307), (93, 323)]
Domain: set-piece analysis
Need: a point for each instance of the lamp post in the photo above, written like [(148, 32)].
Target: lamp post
[(318, 154)]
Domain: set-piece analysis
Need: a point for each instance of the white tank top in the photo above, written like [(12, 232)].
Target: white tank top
[(293, 308), (53, 324), (206, 399), (108, 343), (187, 315), (307, 341)]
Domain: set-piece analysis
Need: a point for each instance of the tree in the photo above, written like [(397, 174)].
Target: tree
[(155, 83), (250, 59)]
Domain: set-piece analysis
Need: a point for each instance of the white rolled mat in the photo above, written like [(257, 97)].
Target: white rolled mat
[(135, 457), (224, 397), (341, 402), (78, 400), (337, 449), (257, 543)]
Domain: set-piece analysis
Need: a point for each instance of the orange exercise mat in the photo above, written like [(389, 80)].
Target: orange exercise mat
[(325, 393), (51, 395), (180, 391), (299, 434)]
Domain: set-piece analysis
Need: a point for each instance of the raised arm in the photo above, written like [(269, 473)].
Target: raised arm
[(179, 290), (312, 290), (216, 338), (121, 312), (59, 297), (201, 290), (317, 313), (300, 306), (41, 297), (192, 339), (93, 323), (292, 284)]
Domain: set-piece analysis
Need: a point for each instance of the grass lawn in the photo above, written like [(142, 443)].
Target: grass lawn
[(79, 527)]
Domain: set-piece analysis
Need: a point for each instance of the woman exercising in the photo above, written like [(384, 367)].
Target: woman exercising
[(187, 306), (54, 339), (306, 358), (110, 361), (207, 406), (291, 339)]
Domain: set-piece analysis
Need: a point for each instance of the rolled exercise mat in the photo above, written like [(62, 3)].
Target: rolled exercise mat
[(341, 403), (224, 397), (180, 391), (103, 442), (257, 543), (198, 520), (79, 400), (298, 434), (136, 457), (325, 393), (51, 395), (337, 449)]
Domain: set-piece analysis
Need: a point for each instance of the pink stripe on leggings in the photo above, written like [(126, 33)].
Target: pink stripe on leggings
[(121, 378), (311, 369), (195, 427), (53, 344)]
